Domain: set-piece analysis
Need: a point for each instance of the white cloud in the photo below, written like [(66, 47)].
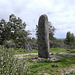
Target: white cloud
[(60, 12)]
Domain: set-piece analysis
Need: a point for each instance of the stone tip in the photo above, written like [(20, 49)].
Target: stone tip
[(44, 15)]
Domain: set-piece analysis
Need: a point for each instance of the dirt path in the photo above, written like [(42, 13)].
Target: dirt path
[(21, 55)]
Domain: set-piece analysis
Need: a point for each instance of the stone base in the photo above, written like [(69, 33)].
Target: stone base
[(53, 57)]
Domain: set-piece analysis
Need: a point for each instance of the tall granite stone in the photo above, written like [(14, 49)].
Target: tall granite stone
[(43, 37)]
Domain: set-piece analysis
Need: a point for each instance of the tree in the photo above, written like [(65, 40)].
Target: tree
[(51, 31), (4, 30), (70, 39), (13, 29)]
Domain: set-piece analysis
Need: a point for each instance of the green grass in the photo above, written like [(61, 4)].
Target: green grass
[(71, 73), (42, 67), (57, 50), (52, 50), (18, 52), (30, 56), (72, 51), (61, 50), (50, 67)]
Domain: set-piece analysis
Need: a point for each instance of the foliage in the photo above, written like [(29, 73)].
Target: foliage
[(10, 65), (51, 31), (33, 43), (70, 40), (9, 44), (54, 43), (13, 30)]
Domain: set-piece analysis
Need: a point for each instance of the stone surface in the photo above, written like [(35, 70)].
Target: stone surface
[(43, 37), (53, 57)]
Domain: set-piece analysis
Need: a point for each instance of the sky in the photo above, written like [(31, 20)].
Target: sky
[(61, 14)]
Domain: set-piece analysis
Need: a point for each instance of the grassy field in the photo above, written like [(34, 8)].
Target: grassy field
[(52, 50), (52, 67), (61, 67)]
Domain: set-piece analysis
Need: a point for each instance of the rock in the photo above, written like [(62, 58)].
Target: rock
[(43, 37), (68, 49)]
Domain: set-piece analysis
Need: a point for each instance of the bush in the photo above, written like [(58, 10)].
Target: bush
[(9, 44), (56, 43), (0, 46), (10, 65)]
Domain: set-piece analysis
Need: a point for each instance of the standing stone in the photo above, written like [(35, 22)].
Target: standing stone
[(43, 37)]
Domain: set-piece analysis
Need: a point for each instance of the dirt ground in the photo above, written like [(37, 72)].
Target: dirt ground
[(53, 57)]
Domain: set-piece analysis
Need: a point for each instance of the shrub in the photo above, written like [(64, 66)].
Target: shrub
[(10, 65), (9, 44)]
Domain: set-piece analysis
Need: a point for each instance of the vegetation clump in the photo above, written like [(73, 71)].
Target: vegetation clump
[(10, 65)]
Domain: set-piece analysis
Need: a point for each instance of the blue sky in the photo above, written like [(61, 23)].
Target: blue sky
[(61, 13)]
